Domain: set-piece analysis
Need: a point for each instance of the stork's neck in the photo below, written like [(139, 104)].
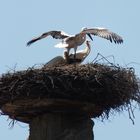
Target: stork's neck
[(80, 38), (88, 48)]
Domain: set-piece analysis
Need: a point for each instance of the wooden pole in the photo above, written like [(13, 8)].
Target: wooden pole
[(59, 126)]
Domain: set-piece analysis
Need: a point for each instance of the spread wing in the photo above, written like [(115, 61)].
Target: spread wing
[(54, 34), (104, 33)]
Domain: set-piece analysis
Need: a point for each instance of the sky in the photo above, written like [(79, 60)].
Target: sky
[(22, 20)]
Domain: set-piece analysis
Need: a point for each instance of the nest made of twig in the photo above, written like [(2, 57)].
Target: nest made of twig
[(106, 87)]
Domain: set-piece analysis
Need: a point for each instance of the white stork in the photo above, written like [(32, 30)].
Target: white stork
[(80, 55), (73, 41)]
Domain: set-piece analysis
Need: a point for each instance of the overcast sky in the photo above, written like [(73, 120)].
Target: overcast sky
[(22, 20)]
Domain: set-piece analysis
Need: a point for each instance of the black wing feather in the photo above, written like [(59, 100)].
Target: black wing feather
[(54, 34)]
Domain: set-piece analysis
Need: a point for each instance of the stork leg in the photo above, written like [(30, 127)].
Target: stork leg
[(66, 55), (68, 50), (75, 49)]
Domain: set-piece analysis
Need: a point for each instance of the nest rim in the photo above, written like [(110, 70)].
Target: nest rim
[(104, 81)]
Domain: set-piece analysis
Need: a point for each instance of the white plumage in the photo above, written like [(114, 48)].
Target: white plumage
[(61, 45), (73, 41), (80, 55)]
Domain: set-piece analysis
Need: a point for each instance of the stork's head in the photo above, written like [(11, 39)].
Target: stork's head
[(89, 35), (87, 42), (84, 28)]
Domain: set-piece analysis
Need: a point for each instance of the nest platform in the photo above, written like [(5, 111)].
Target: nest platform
[(91, 89)]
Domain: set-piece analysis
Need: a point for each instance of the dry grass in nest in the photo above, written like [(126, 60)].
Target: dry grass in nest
[(109, 88)]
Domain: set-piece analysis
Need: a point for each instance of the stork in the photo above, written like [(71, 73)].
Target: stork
[(80, 55), (73, 41)]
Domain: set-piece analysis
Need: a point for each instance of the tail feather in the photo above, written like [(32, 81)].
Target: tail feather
[(61, 45)]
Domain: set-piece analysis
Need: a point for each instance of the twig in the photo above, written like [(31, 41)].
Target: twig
[(131, 114), (136, 63), (13, 69), (51, 79), (13, 85), (104, 58), (11, 124)]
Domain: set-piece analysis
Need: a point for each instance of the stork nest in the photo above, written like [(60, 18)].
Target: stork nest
[(96, 88)]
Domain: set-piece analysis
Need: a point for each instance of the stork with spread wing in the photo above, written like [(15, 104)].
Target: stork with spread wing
[(73, 41)]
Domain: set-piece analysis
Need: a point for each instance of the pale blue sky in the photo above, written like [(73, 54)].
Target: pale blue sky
[(22, 20)]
